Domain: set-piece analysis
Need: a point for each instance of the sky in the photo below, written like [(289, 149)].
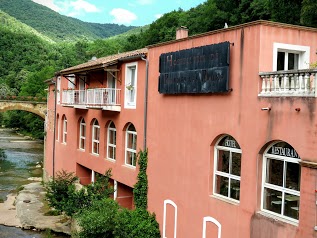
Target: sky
[(126, 12)]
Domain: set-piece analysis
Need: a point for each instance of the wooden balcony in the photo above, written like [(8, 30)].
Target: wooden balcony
[(97, 98), (290, 83)]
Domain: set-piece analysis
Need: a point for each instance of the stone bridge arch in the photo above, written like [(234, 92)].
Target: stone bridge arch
[(38, 108)]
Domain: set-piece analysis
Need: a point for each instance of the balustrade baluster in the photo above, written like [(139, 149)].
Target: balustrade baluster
[(315, 84), (296, 82), (301, 83), (268, 84), (307, 83), (276, 84), (292, 84), (263, 85)]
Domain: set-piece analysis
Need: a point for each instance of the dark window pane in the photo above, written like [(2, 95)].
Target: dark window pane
[(293, 61), (274, 171), (236, 164), (222, 185), (272, 200), (223, 161), (235, 189), (291, 206), (293, 176), (280, 61)]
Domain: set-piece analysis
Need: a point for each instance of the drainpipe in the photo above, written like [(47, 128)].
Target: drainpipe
[(54, 131), (143, 57)]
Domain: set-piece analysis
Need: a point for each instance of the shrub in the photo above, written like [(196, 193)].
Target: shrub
[(98, 220), (136, 223), (61, 190), (62, 194)]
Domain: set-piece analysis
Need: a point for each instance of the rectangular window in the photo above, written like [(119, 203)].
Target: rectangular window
[(130, 85), (290, 57)]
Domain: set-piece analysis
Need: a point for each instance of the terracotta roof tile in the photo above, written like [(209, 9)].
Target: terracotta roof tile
[(104, 61)]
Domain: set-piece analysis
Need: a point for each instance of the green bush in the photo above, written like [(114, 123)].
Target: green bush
[(98, 220), (136, 223), (63, 196), (60, 190)]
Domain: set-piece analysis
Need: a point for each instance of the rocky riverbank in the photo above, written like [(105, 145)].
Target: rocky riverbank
[(26, 210)]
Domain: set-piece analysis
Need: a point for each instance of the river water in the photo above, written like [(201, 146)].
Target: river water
[(23, 157)]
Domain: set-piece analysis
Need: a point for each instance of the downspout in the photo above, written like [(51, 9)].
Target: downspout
[(54, 131), (143, 57)]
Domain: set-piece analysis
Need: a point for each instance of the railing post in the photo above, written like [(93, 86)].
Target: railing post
[(314, 83), (263, 85), (307, 83)]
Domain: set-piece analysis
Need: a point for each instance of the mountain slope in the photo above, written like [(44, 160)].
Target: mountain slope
[(56, 26)]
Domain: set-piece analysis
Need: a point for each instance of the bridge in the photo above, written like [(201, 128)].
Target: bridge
[(30, 104)]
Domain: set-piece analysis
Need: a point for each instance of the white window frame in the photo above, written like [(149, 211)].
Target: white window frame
[(281, 189), (109, 145), (57, 128), (95, 128), (224, 174), (303, 51), (132, 150), (127, 93), (64, 141), (58, 87), (82, 134)]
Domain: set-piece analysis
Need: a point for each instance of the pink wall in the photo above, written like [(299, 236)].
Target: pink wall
[(189, 126), (183, 130)]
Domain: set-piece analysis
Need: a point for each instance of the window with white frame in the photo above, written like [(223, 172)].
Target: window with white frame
[(290, 57), (82, 134), (227, 167), (130, 85), (111, 142), (130, 145), (95, 137), (58, 88), (57, 128), (281, 181), (64, 129)]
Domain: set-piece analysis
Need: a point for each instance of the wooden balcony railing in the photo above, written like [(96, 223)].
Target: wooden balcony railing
[(291, 83), (97, 97)]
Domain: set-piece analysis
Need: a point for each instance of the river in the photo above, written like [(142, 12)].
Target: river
[(23, 159)]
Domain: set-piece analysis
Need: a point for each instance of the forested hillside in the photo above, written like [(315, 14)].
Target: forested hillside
[(28, 56), (56, 26), (213, 14)]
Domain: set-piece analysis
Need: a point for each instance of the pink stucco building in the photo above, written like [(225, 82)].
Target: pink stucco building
[(229, 120)]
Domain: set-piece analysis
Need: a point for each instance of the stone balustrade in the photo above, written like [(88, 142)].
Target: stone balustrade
[(290, 83)]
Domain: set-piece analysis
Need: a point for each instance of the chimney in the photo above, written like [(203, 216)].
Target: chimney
[(181, 32)]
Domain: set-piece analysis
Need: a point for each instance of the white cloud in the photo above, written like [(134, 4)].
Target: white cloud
[(81, 5), (145, 2), (157, 16), (48, 3), (122, 16)]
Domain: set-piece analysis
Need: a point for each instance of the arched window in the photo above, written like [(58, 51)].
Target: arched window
[(64, 130), (130, 145), (82, 134), (111, 142), (95, 137), (57, 128), (227, 167), (281, 181)]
